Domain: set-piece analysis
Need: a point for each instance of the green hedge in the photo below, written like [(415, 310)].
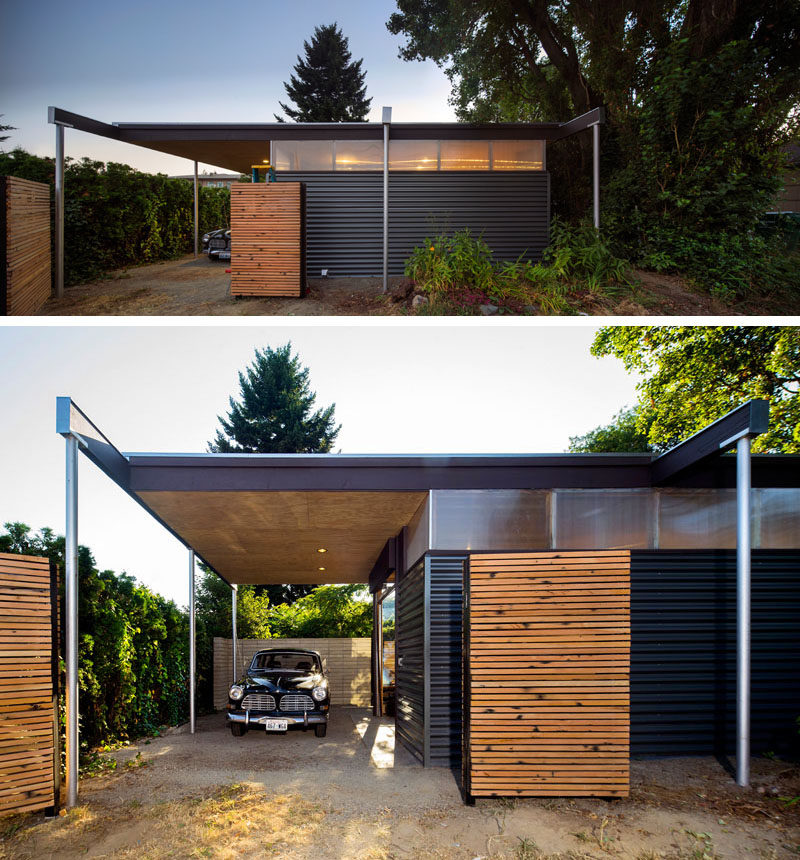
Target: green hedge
[(115, 216)]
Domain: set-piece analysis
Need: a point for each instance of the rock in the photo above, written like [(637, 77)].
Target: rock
[(488, 310), (418, 301), (532, 309)]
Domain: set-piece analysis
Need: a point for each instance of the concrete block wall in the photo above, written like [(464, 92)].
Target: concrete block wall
[(347, 662)]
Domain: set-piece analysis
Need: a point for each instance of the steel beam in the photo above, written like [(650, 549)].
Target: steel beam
[(71, 620), (743, 611), (196, 213), (234, 607), (377, 650), (59, 213), (192, 654)]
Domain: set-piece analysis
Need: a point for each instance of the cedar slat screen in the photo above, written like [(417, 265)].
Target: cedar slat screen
[(547, 664), (29, 778), (267, 239), (24, 245)]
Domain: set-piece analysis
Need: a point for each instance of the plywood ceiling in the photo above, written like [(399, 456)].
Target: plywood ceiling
[(273, 537)]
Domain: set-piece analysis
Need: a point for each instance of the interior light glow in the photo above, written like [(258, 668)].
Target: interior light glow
[(322, 549)]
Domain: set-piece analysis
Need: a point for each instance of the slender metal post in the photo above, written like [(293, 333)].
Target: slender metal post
[(387, 119), (71, 612), (377, 640), (234, 601), (196, 216), (192, 656), (596, 173), (59, 214), (743, 611)]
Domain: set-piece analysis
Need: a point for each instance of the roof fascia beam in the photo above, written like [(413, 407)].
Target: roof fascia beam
[(57, 116), (582, 122)]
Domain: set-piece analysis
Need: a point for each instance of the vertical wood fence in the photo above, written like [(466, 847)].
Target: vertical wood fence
[(29, 754), (547, 666), (25, 281), (267, 239)]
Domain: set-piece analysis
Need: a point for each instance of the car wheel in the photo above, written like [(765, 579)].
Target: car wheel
[(237, 730), (321, 730)]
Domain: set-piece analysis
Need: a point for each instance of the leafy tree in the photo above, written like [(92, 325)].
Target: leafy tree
[(6, 128), (327, 85), (274, 413), (622, 435), (330, 610), (693, 375)]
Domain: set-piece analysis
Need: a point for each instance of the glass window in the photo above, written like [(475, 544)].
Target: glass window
[(413, 155), (604, 519), (780, 518), (517, 155), (359, 155), (697, 519), (303, 155), (465, 155), (491, 519)]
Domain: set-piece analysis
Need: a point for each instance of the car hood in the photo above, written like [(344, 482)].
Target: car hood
[(278, 681)]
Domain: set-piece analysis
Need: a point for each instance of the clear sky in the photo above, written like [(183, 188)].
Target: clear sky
[(185, 62), (397, 388)]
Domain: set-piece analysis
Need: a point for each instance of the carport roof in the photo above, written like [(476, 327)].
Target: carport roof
[(262, 517), (238, 146)]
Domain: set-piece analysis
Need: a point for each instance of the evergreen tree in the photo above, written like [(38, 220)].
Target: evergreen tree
[(6, 128), (274, 414), (327, 86)]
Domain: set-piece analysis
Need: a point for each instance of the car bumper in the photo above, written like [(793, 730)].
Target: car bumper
[(301, 722)]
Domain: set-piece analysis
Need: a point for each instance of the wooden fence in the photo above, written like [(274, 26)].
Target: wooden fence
[(25, 281), (29, 755), (547, 665), (267, 239)]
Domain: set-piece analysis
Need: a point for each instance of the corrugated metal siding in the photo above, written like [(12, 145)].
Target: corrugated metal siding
[(410, 651), (444, 726), (683, 651), (344, 215)]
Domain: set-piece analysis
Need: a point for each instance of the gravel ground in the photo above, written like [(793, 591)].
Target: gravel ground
[(297, 796)]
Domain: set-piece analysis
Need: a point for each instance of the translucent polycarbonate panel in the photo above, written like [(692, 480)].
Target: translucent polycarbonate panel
[(303, 154), (517, 155), (490, 519), (699, 519), (418, 534), (604, 519), (465, 154), (413, 155), (779, 512), (359, 155)]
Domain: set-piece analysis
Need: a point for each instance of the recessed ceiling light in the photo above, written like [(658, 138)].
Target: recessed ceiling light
[(322, 549), (320, 568)]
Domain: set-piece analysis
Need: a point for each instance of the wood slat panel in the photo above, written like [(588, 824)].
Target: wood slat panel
[(267, 225), (27, 719), (548, 643)]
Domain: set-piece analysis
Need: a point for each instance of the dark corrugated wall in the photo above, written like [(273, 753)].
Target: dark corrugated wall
[(410, 660), (683, 651), (445, 589), (344, 215)]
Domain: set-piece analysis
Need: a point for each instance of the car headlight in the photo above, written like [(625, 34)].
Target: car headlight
[(319, 694), (206, 237), (236, 692)]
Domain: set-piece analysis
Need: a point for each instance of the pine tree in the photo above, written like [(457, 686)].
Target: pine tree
[(274, 414), (327, 86)]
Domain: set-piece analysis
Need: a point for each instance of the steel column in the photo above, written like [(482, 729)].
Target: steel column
[(196, 219), (234, 607), (743, 611), (596, 173), (377, 649), (71, 612), (192, 655), (387, 119), (59, 213)]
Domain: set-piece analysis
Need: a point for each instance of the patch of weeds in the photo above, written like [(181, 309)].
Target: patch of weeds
[(526, 850), (95, 763), (12, 826), (786, 802), (136, 762), (702, 847), (583, 836)]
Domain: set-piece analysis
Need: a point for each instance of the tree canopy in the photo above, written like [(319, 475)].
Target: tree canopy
[(693, 375), (274, 413), (327, 85)]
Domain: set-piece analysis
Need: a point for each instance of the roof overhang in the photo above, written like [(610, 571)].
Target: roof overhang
[(237, 146)]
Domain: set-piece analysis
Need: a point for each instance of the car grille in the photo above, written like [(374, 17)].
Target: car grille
[(258, 702), (297, 703), (217, 242)]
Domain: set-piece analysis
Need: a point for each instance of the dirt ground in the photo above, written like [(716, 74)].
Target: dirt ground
[(191, 287), (348, 796)]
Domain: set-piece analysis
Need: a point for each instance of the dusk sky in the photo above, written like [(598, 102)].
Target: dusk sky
[(185, 62), (509, 388)]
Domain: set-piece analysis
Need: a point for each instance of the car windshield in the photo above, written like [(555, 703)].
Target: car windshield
[(285, 662)]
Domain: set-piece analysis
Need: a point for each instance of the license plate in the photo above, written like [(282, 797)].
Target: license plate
[(224, 255), (276, 725)]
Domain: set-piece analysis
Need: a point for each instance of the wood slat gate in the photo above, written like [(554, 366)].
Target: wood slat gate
[(29, 755), (546, 674)]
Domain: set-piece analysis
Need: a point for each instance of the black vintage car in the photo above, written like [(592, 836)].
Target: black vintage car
[(217, 244), (283, 688)]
